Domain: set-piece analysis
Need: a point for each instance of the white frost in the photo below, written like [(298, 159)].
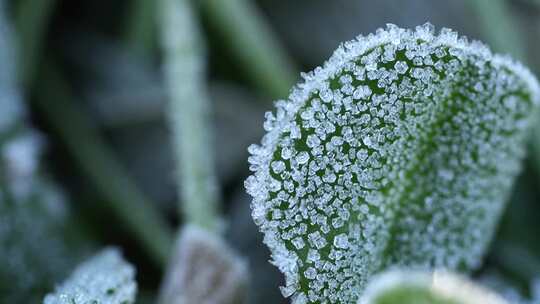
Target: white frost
[(105, 279), (404, 139)]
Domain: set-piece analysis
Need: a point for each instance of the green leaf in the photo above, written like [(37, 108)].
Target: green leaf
[(413, 287), (400, 150), (104, 279)]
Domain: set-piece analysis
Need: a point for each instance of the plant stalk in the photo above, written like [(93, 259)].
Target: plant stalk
[(252, 41), (188, 112)]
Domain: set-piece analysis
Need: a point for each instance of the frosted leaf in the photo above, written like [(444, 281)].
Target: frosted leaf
[(103, 279), (203, 270), (409, 144), (34, 248), (413, 287)]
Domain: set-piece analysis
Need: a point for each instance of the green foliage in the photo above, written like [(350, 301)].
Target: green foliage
[(411, 287), (36, 244), (401, 150), (411, 295), (104, 279), (33, 240)]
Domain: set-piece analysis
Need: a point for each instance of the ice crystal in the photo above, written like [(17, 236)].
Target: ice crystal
[(400, 150), (413, 287), (203, 270), (103, 279)]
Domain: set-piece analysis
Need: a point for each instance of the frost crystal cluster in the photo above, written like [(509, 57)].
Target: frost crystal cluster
[(104, 279), (400, 150)]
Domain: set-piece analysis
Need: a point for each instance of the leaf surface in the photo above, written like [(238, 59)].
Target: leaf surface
[(103, 279), (400, 150)]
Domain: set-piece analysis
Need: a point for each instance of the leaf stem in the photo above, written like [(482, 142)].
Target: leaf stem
[(253, 43), (189, 113)]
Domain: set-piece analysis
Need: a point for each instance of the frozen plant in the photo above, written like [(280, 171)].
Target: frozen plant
[(203, 268), (399, 151), (104, 279), (188, 112)]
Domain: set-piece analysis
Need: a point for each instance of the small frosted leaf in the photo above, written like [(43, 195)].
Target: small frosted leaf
[(35, 248), (400, 150), (439, 287), (204, 270), (105, 279)]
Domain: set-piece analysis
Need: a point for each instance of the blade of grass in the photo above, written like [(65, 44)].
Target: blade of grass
[(248, 36), (31, 19), (99, 165), (189, 113), (141, 26), (88, 149)]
